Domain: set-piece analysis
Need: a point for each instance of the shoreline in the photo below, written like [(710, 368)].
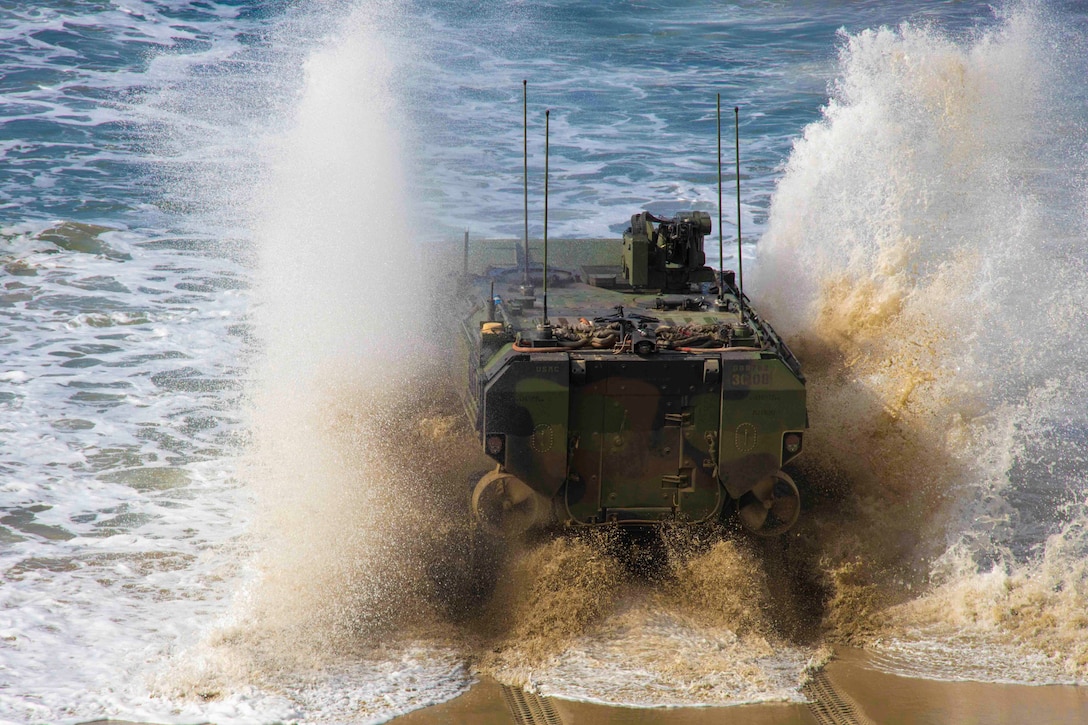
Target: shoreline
[(849, 690)]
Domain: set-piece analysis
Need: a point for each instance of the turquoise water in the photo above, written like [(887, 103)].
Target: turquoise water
[(206, 206)]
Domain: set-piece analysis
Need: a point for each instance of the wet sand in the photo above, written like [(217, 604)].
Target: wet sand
[(893, 699), (878, 697), (484, 704)]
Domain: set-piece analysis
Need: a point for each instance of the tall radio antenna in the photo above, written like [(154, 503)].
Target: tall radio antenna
[(525, 165), (547, 122), (721, 254), (740, 261)]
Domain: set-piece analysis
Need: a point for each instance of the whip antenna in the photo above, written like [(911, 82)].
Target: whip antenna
[(464, 271), (525, 165), (721, 254), (547, 117), (740, 261)]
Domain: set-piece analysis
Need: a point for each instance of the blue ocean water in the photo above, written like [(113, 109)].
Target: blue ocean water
[(208, 208)]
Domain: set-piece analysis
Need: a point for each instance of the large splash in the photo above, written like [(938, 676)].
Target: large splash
[(922, 253), (337, 299), (925, 253), (361, 466), (352, 443), (574, 619)]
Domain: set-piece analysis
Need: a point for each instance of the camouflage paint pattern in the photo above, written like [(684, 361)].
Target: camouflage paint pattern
[(607, 435)]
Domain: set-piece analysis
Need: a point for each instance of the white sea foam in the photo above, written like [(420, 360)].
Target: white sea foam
[(119, 513)]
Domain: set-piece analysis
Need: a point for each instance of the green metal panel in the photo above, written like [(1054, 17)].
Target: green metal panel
[(528, 402), (583, 496), (644, 432), (761, 401)]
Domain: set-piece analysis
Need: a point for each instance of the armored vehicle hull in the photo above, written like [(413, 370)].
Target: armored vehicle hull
[(626, 385)]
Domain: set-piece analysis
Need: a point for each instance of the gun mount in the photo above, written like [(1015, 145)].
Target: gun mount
[(666, 254)]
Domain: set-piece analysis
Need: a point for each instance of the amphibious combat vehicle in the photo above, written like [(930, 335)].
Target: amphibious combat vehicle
[(626, 383)]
